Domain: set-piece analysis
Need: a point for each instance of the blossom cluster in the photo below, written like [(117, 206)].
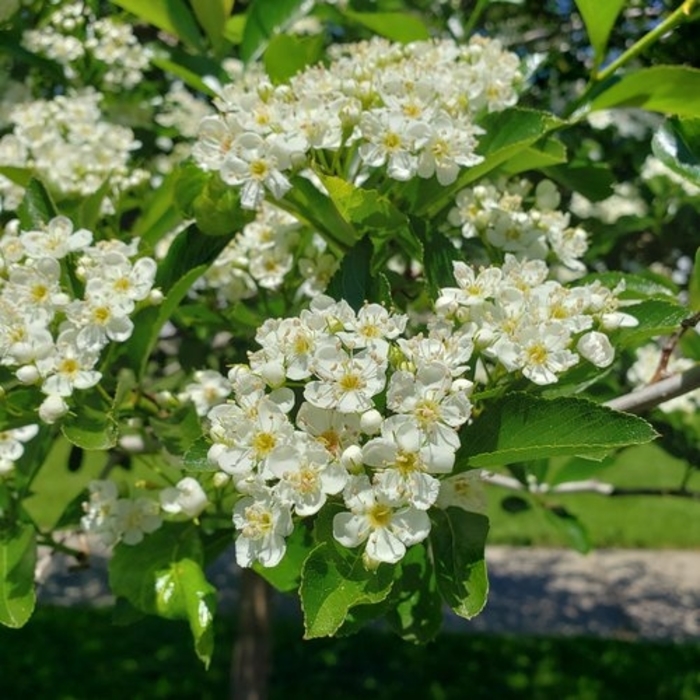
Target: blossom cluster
[(68, 145), (410, 110), (74, 35), (116, 518), (263, 254), (344, 405), (497, 213), (51, 335)]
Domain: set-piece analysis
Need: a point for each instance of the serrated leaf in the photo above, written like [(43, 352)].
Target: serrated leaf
[(599, 18), (17, 563), (655, 317), (417, 613), (265, 19), (179, 431), (90, 423), (395, 26), (334, 580), (458, 539), (677, 145), (287, 54), (521, 427), (162, 575), (667, 89), (367, 210), (328, 591), (36, 208), (196, 458)]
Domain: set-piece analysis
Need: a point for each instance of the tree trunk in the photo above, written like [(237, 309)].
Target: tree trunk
[(251, 653)]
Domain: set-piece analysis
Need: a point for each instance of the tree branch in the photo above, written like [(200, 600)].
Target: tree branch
[(650, 396)]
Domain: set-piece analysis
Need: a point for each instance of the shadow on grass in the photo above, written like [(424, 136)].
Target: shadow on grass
[(77, 654)]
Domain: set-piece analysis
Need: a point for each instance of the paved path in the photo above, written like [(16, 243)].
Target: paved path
[(624, 594)]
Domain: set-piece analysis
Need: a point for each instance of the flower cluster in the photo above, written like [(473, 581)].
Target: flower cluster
[(497, 214), (68, 145), (264, 252), (115, 518), (73, 34), (520, 321), (50, 335), (343, 404), (410, 110), (12, 446)]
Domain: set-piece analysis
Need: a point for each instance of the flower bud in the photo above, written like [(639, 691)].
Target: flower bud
[(371, 421), (52, 408), (351, 459)]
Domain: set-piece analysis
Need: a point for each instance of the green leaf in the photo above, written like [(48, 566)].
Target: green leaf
[(547, 152), (355, 280), (187, 74), (636, 286), (417, 614), (457, 540), (17, 563), (439, 253), (179, 431), (334, 580), (18, 407), (599, 18), (162, 575), (172, 16), (90, 423), (20, 176), (37, 207), (286, 575), (593, 180), (668, 89), (160, 214), (212, 16), (521, 427), (196, 458), (90, 208), (287, 54), (266, 19), (694, 284), (655, 317), (367, 210), (570, 526), (234, 28), (395, 26), (677, 145), (311, 205)]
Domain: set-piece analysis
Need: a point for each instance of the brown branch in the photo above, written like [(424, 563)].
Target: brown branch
[(670, 346)]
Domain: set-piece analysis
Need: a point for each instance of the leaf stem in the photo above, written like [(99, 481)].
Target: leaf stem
[(680, 15)]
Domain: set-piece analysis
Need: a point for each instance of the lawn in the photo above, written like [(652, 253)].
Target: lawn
[(76, 654)]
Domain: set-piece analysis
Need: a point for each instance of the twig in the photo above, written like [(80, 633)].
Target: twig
[(671, 344), (650, 396)]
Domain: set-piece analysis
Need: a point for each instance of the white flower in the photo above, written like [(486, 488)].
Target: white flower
[(307, 476), (464, 490), (186, 497), (208, 389), (263, 523), (596, 348), (52, 408), (56, 241), (347, 382), (372, 519), (135, 518)]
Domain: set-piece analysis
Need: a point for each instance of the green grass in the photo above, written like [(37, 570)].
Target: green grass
[(651, 522), (76, 654)]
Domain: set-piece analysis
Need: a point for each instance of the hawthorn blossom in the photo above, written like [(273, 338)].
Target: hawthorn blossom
[(386, 529)]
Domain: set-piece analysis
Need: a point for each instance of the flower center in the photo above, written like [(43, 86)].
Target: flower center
[(263, 443), (379, 515)]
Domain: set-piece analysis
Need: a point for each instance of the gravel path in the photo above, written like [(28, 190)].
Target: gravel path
[(624, 594)]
